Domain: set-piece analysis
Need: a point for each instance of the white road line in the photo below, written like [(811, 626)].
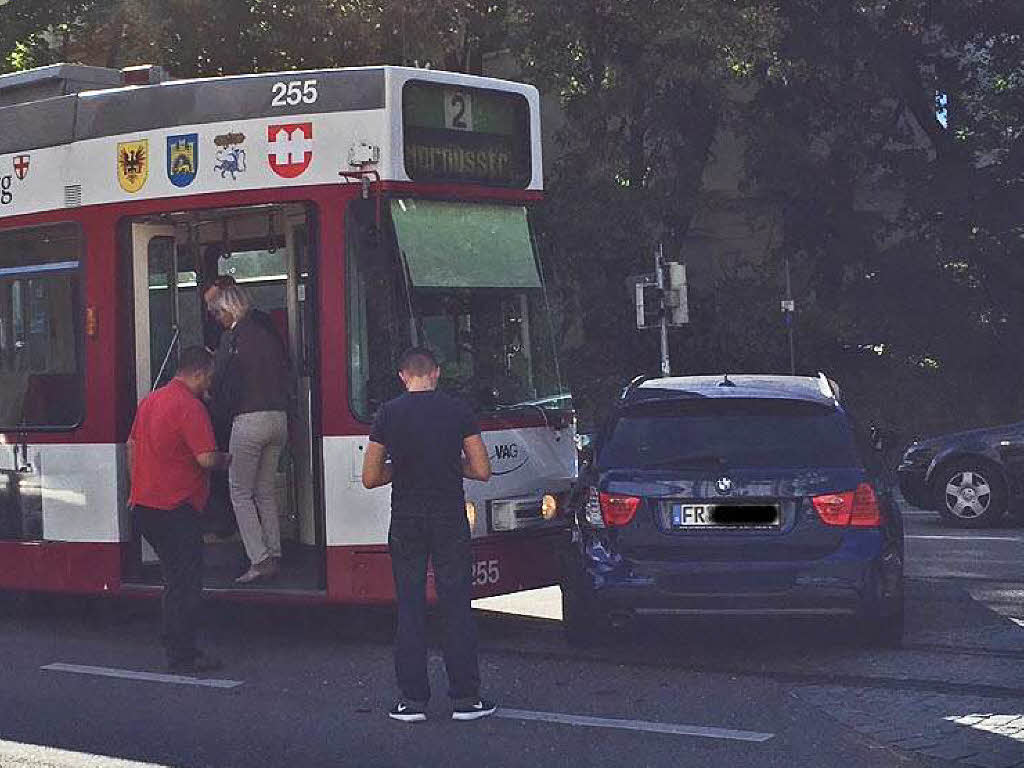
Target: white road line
[(963, 538), (14, 753), (150, 677), (706, 732)]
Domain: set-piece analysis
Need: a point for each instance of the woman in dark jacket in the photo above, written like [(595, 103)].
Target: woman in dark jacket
[(255, 381)]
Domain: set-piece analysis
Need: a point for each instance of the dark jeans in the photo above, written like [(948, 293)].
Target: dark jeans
[(177, 537), (444, 539)]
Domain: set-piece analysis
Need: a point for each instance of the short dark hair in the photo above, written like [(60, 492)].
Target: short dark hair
[(194, 360), (418, 361)]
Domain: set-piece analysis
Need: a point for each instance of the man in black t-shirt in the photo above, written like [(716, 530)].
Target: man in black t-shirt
[(434, 442)]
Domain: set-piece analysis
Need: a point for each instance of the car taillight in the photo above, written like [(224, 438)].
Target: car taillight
[(865, 512), (617, 509), (858, 508)]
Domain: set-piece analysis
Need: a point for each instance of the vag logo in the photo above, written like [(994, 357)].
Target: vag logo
[(507, 457), (507, 451)]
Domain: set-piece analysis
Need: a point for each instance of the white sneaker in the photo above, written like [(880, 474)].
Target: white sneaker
[(476, 710), (407, 713)]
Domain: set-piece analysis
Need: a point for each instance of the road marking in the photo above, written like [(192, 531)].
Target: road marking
[(963, 538), (706, 732), (151, 677), (16, 753)]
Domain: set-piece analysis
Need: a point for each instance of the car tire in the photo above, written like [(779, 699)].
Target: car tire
[(880, 621), (970, 494)]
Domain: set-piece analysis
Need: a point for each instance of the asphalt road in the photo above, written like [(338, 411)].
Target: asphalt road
[(309, 686)]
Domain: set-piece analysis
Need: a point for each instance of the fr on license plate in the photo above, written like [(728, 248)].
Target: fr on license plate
[(725, 515)]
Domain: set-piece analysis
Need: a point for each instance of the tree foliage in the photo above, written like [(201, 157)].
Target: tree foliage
[(891, 135), (882, 142)]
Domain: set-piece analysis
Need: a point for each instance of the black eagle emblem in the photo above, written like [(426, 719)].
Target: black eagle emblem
[(132, 161)]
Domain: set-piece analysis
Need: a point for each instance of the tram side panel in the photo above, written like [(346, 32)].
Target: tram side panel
[(63, 490), (528, 463)]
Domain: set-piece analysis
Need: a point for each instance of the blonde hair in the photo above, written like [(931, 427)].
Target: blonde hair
[(233, 299)]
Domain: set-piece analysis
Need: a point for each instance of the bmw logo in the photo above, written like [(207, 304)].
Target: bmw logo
[(724, 485)]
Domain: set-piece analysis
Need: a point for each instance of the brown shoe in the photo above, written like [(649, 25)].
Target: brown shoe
[(249, 576), (265, 569)]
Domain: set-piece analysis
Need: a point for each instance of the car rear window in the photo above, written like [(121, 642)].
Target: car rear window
[(729, 433)]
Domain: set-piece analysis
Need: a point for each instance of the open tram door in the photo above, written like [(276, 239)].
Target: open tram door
[(269, 251)]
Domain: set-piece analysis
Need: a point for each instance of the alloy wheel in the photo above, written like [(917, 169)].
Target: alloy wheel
[(968, 495)]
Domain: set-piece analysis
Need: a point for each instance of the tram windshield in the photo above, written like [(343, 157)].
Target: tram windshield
[(462, 279)]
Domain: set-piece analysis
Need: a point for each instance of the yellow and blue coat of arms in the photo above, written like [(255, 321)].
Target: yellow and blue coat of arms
[(182, 158)]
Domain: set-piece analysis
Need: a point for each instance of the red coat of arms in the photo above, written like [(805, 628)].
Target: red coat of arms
[(21, 165), (290, 148)]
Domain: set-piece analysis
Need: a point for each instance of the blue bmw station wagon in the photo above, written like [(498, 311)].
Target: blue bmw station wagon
[(733, 495)]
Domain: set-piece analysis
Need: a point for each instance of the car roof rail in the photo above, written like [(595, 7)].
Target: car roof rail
[(636, 382)]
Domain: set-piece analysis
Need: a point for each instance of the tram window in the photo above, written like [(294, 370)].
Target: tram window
[(453, 245), (261, 265), (479, 302), (263, 273), (40, 333)]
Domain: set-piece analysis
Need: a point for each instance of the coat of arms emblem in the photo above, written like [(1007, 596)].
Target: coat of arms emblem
[(21, 163), (132, 164), (182, 159), (290, 148), (230, 154)]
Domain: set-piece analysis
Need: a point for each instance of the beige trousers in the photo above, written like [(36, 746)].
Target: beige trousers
[(256, 442)]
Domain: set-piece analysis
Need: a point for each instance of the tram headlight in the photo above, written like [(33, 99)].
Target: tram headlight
[(471, 514), (548, 506), (524, 512)]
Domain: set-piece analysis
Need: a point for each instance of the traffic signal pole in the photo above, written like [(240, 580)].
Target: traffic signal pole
[(659, 272)]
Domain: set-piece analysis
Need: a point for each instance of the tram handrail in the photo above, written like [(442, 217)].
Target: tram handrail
[(163, 365)]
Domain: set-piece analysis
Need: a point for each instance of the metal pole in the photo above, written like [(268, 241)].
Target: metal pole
[(789, 322), (659, 272)]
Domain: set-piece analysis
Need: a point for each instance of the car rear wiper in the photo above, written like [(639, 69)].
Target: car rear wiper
[(688, 461)]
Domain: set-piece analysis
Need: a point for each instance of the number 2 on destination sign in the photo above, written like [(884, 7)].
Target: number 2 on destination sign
[(458, 110)]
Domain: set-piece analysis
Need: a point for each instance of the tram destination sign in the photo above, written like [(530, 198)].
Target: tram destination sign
[(458, 134)]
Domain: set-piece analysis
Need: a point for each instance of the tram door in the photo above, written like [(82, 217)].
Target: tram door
[(265, 249)]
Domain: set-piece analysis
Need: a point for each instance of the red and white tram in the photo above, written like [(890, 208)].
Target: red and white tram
[(365, 210)]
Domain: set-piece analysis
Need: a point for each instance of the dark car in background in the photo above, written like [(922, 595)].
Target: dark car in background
[(971, 478), (732, 496)]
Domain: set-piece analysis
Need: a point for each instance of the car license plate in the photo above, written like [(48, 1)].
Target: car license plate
[(725, 516)]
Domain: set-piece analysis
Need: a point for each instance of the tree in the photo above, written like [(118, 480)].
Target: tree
[(194, 38), (883, 143), (890, 134), (642, 87)]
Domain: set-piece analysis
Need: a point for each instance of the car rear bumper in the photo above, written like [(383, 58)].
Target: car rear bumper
[(845, 582), (801, 600)]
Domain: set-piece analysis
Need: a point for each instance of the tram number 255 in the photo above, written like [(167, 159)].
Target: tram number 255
[(293, 92), (486, 572)]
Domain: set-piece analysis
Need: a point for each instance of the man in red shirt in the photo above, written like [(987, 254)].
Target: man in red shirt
[(170, 451)]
